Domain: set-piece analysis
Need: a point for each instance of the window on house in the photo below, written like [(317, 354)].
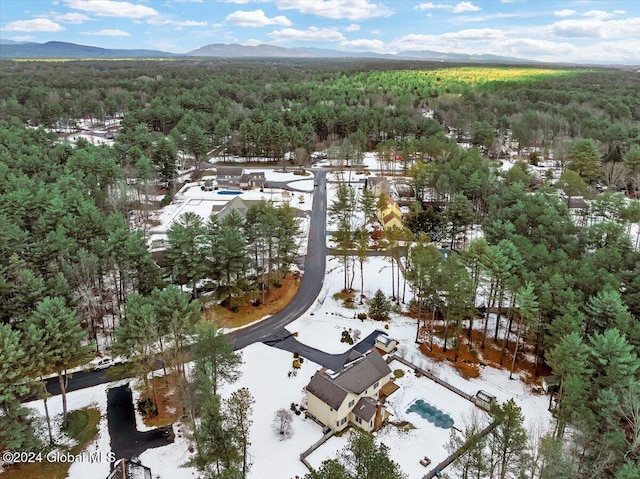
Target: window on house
[(370, 423), (343, 420), (352, 402), (375, 386), (337, 423), (358, 420)]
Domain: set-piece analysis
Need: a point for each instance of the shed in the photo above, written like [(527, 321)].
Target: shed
[(551, 384), (484, 400), (385, 343)]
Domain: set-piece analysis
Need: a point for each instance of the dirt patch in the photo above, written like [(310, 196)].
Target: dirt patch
[(169, 402), (471, 356), (467, 364), (247, 313)]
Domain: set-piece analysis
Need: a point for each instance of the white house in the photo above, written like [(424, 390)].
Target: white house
[(350, 396)]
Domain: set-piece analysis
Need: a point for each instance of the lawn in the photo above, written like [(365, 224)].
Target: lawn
[(82, 427)]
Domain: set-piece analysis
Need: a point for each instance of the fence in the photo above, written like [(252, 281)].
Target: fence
[(433, 377), (320, 442)]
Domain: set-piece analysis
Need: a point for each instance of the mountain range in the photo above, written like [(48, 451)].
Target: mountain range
[(11, 49)]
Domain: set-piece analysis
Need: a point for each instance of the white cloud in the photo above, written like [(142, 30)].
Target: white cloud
[(529, 47), (336, 9), (594, 28), (35, 25), (599, 14), (466, 7), (431, 6), (565, 12), (620, 12), (76, 18), (175, 23), (364, 45), (110, 8), (107, 33), (241, 2), (255, 18), (459, 8), (312, 34), (354, 27)]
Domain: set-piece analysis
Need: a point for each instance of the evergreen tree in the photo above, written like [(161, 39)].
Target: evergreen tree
[(239, 408), (16, 433), (585, 160), (214, 356), (62, 340), (379, 306), (508, 440)]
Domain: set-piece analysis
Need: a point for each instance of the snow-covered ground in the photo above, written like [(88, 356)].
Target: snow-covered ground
[(191, 198), (266, 374)]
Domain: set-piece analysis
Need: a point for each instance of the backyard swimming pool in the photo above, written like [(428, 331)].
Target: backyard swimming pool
[(431, 414), (227, 192)]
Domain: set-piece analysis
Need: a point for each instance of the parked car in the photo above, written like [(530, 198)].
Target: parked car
[(104, 363)]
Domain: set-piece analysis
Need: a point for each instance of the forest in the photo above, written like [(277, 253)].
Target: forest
[(74, 266)]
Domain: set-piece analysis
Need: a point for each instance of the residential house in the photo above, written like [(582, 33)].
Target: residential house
[(378, 185), (391, 215), (126, 469), (236, 177), (238, 204), (252, 179), (350, 396), (229, 176)]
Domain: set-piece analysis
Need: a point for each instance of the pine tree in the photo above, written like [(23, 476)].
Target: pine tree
[(239, 408), (379, 306), (62, 340), (16, 432), (585, 160), (508, 441), (214, 356)]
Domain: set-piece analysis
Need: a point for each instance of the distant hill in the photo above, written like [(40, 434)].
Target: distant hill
[(235, 50), (223, 50), (71, 50), (12, 49)]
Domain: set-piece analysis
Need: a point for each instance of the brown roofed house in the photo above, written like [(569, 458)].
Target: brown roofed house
[(350, 396)]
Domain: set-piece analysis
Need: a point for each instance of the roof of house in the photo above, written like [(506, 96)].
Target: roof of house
[(374, 180), (326, 390), (361, 374), (384, 339), (355, 377), (241, 205), (390, 217), (229, 171), (365, 409)]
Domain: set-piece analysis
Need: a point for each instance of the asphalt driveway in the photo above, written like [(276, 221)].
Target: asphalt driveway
[(126, 440)]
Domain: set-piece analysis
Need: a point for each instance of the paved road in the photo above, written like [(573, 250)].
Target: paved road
[(314, 269)]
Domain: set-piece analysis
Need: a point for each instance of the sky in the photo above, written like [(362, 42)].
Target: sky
[(580, 31)]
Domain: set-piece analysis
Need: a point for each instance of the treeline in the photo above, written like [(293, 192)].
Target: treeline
[(236, 257)]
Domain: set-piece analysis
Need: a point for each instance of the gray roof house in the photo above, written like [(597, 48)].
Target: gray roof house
[(350, 395)]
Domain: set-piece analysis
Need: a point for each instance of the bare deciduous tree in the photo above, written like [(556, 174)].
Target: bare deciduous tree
[(282, 424)]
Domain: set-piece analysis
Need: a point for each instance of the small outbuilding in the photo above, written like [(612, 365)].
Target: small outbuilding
[(484, 400)]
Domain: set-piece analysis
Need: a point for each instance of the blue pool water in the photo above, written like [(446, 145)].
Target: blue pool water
[(226, 192), (431, 414)]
